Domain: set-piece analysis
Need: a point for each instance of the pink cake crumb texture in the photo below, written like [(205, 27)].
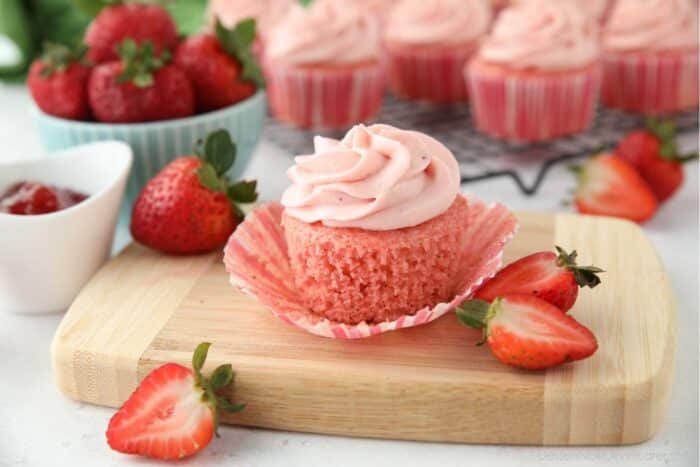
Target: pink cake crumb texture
[(257, 260), (353, 275)]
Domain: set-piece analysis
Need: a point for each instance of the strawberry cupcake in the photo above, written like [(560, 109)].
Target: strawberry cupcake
[(426, 44), (322, 68), (650, 56), (372, 236), (537, 75)]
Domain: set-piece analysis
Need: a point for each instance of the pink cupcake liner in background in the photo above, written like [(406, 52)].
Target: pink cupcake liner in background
[(432, 74), (257, 261), (651, 83), (324, 97), (532, 106)]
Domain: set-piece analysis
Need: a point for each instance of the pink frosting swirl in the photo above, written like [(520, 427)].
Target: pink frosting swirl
[(375, 178), (328, 32), (542, 34), (651, 24), (268, 13), (595, 8), (438, 22)]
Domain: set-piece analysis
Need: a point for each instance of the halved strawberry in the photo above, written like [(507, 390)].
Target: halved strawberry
[(173, 413), (553, 277), (526, 332), (609, 186)]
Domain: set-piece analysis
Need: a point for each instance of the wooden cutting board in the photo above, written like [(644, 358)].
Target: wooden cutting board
[(425, 383)]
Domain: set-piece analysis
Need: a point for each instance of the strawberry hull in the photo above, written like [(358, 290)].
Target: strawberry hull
[(531, 106), (651, 83), (324, 97)]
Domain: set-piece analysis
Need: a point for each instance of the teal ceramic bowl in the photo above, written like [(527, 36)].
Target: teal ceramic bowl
[(156, 143)]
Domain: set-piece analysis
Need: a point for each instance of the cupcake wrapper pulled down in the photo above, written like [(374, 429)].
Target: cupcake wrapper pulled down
[(257, 261), (324, 98), (430, 75), (651, 83), (532, 107)]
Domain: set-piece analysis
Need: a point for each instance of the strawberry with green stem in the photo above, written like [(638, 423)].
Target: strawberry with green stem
[(142, 87), (654, 154), (222, 67), (191, 206), (527, 332), (553, 277), (174, 412), (58, 79)]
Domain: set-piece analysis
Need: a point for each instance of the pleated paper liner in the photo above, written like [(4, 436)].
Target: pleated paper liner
[(257, 261)]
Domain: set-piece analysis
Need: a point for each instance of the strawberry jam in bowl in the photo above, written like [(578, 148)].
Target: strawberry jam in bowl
[(32, 198), (57, 220)]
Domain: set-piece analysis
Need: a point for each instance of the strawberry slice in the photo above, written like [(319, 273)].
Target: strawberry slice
[(526, 332), (609, 186), (553, 277), (173, 413)]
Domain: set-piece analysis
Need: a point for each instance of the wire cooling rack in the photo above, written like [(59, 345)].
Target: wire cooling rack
[(480, 156)]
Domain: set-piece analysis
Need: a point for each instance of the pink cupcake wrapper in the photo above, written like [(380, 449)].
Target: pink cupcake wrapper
[(322, 97), (651, 83), (532, 107), (257, 261), (431, 75)]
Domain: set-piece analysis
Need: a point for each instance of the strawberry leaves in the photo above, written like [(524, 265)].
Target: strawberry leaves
[(222, 377), (665, 132), (586, 276), (139, 62), (237, 42), (57, 57), (218, 154)]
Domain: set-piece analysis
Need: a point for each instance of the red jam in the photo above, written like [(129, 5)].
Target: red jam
[(31, 198)]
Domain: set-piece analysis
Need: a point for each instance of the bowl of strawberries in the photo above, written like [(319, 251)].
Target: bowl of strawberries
[(134, 80)]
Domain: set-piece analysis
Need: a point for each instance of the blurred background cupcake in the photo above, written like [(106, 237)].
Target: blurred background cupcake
[(267, 14), (426, 44), (650, 56), (322, 66), (596, 9), (379, 9), (537, 75)]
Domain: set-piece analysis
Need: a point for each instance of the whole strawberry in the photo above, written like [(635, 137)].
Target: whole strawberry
[(190, 206), (141, 87), (222, 68), (58, 81), (654, 154), (139, 22), (609, 186), (526, 332), (553, 277), (174, 412)]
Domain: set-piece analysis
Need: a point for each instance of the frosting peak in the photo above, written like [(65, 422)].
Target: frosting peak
[(542, 34), (375, 178), (328, 32), (429, 22), (651, 24)]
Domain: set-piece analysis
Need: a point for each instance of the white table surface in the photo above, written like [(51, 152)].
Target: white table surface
[(39, 427)]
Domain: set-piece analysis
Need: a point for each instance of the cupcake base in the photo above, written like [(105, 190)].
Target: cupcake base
[(651, 82), (353, 275), (257, 260), (529, 106), (433, 74), (324, 97)]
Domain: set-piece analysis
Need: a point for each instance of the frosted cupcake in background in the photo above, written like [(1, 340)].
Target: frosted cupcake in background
[(377, 8), (537, 75), (426, 44), (267, 13), (650, 56), (322, 66), (596, 9)]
